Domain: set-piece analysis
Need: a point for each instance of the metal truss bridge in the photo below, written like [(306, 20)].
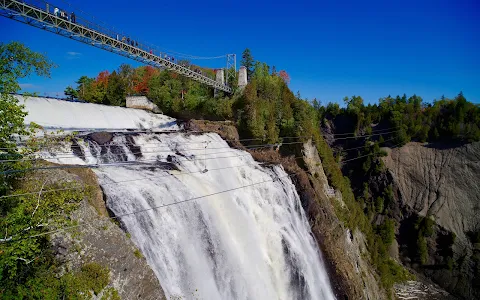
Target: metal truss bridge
[(38, 14)]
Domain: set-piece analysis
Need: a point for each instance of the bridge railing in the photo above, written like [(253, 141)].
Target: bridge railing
[(89, 21), (82, 18)]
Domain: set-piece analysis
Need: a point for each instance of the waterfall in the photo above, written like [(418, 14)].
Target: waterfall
[(248, 239)]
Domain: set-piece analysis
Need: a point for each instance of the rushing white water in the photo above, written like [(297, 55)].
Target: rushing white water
[(57, 114), (251, 242)]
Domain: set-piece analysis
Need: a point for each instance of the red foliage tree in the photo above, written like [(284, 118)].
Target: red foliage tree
[(102, 79), (142, 78), (284, 75)]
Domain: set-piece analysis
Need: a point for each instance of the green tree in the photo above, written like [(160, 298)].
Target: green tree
[(16, 62), (387, 231), (127, 74), (84, 87), (71, 92), (248, 62), (422, 249), (26, 215), (333, 110), (116, 90), (160, 93), (379, 204), (354, 104), (26, 261), (381, 140), (389, 194), (260, 70), (298, 95)]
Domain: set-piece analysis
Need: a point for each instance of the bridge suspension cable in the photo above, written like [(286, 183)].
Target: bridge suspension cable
[(37, 13)]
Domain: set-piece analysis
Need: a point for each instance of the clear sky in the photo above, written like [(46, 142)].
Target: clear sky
[(331, 49)]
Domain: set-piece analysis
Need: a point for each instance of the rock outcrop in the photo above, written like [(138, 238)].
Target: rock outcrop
[(418, 290), (442, 185), (345, 250)]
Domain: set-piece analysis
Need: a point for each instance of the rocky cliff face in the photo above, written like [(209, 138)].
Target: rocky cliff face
[(441, 185), (346, 250), (100, 240)]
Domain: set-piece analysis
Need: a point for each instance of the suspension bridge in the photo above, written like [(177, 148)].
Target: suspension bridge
[(41, 14)]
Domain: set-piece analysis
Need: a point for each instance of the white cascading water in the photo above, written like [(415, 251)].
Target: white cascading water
[(248, 243)]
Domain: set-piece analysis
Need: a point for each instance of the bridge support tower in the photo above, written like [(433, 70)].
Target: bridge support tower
[(219, 78), (242, 78)]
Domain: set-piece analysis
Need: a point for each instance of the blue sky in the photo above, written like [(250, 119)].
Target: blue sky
[(331, 49)]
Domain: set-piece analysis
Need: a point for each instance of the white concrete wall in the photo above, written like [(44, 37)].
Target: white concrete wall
[(142, 102)]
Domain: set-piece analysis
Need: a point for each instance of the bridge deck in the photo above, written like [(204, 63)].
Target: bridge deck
[(37, 16)]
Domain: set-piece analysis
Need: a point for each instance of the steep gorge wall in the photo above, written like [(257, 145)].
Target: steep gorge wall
[(346, 250), (442, 184)]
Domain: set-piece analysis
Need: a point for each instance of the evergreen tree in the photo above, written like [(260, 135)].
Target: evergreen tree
[(71, 92), (248, 62), (83, 86), (316, 104)]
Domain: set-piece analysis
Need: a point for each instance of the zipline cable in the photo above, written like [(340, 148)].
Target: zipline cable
[(152, 208), (374, 131), (251, 147), (183, 143), (142, 164), (227, 140), (364, 136), (362, 156)]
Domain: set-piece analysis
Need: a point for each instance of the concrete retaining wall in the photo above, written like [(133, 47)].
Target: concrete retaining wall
[(141, 102)]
